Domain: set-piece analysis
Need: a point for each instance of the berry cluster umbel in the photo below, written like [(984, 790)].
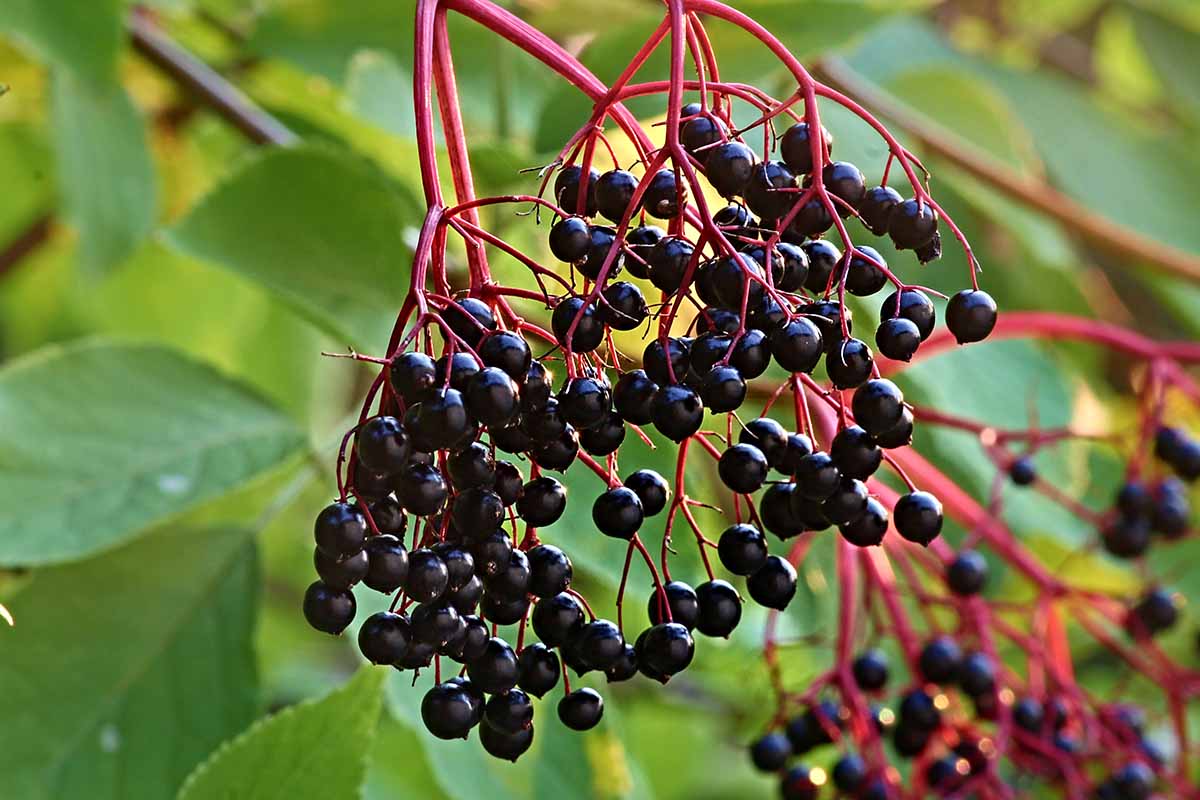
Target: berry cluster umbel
[(488, 392)]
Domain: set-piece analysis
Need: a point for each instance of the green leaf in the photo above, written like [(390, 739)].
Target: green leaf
[(82, 35), (1173, 50), (319, 228), (101, 440), (124, 671), (317, 749), (105, 172)]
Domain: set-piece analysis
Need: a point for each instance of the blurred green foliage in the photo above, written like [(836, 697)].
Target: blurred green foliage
[(167, 426)]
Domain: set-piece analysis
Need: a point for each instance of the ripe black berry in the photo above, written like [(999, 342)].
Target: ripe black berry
[(435, 623), (570, 239), (633, 396), (898, 436), (865, 275), (641, 241), (967, 573), (508, 351), (624, 306), (971, 315), (491, 553), (1126, 537), (844, 180), (651, 488), (912, 224), (550, 570), (765, 191), (898, 338), (412, 374), (918, 517), (869, 528), (720, 608), (421, 489), (799, 783), (557, 454), (676, 412), (875, 208), (849, 363), (471, 467), (599, 644), (940, 660), (770, 752), (496, 670), (773, 585), (823, 259), (914, 306), (448, 711), (855, 453), (341, 574), (507, 746), (470, 319), (742, 549), (871, 670), (340, 530), (328, 610), (510, 581), (797, 346), (508, 482), (796, 147), (849, 773), (917, 710), (743, 468), (584, 402), (878, 405), (1156, 612), (817, 477), (664, 195), (699, 132), (508, 712), (847, 502), (614, 193), (602, 240), (477, 509), (441, 417), (387, 563), (460, 565), (751, 355), (668, 262), (723, 390), (625, 668), (539, 669), (556, 619), (680, 599), (665, 648), (618, 512), (382, 445), (581, 710), (567, 188), (666, 361), (589, 332), (427, 577), (729, 167), (778, 511)]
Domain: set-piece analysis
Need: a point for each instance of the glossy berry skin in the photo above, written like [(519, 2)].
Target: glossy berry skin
[(435, 623), (507, 482), (869, 528), (550, 570), (1022, 471), (625, 668), (778, 510), (633, 396), (917, 710), (614, 193), (870, 670), (440, 419), (823, 260), (641, 241), (589, 332), (508, 351), (471, 643), (328, 610), (798, 345), (849, 773), (939, 660), (460, 565), (341, 574), (751, 355), (762, 191), (602, 240), (898, 338), (508, 712), (496, 670), (876, 206), (855, 453), (729, 168), (567, 187), (456, 370), (845, 181), (798, 784), (448, 711), (472, 466), (581, 710), (699, 132), (599, 644), (340, 530), (668, 262), (556, 619), (743, 468), (651, 488), (766, 435), (662, 360), (773, 585), (900, 435), (971, 315), (382, 445), (618, 513), (1156, 612), (1126, 537), (878, 405), (796, 147), (427, 577), (977, 674), (558, 453), (912, 224), (470, 318), (666, 648), (681, 600), (865, 275), (723, 390), (663, 195), (570, 238), (412, 374), (849, 363), (542, 501), (967, 573), (770, 752), (720, 608), (510, 581), (798, 446), (584, 402), (918, 517), (539, 669), (742, 549), (387, 563), (676, 412), (624, 307), (477, 510), (914, 306), (817, 476), (505, 746), (605, 437), (847, 502)]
